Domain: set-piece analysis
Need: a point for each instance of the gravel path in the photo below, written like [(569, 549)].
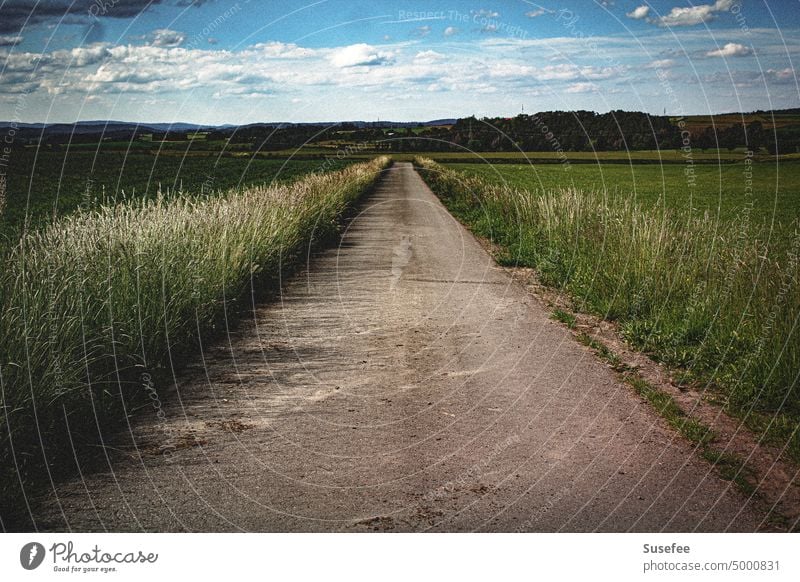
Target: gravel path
[(404, 382)]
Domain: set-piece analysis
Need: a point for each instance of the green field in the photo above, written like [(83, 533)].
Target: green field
[(707, 156), (718, 189), (53, 183)]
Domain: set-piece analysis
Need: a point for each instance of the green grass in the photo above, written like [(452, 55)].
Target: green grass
[(732, 468), (102, 297), (637, 157), (44, 186), (719, 189), (692, 429), (717, 294), (612, 359), (564, 317)]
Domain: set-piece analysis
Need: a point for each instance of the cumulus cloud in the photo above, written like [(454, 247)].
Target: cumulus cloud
[(692, 15), (114, 75), (165, 37), (84, 56), (265, 70), (271, 68), (731, 49), (639, 13), (283, 50), (450, 31), (360, 55)]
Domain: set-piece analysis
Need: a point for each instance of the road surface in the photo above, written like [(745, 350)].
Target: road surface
[(403, 382)]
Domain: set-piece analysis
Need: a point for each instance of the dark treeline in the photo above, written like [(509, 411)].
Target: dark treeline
[(776, 132), (587, 131)]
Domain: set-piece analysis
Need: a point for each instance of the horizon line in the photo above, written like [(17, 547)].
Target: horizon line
[(324, 122)]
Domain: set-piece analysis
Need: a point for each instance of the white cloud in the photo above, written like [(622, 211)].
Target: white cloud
[(581, 88), (450, 31), (165, 37), (570, 71), (535, 13), (278, 71), (732, 49), (692, 15), (360, 55), (639, 12), (422, 31), (661, 64), (688, 16), (786, 75), (428, 57), (10, 40), (115, 75), (282, 50)]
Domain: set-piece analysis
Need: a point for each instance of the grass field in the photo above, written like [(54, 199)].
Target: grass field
[(719, 190), (48, 184), (708, 156), (714, 294), (97, 308)]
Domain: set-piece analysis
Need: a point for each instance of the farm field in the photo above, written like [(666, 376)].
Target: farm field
[(718, 190), (54, 183), (708, 156)]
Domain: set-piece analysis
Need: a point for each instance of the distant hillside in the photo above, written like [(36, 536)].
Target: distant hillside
[(98, 126), (776, 131)]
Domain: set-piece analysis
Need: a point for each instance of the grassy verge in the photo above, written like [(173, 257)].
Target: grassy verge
[(95, 306), (709, 296)]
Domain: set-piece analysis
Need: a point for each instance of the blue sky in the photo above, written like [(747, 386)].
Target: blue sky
[(239, 61)]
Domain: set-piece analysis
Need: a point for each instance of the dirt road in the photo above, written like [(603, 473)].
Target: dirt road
[(404, 382)]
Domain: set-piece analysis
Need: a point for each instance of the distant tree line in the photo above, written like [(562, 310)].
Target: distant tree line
[(547, 131), (587, 131)]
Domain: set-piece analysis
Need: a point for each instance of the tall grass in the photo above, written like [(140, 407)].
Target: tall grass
[(97, 299), (713, 297)]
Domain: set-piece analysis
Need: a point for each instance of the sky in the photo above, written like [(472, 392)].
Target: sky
[(244, 61)]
